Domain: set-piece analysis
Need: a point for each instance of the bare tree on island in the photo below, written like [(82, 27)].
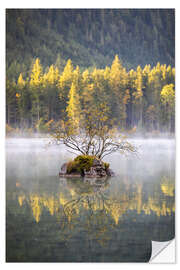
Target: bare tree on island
[(89, 131)]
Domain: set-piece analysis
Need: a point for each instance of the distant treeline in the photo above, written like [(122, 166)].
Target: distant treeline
[(143, 98), (89, 37)]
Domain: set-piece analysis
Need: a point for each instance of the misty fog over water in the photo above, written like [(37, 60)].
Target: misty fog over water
[(152, 154)]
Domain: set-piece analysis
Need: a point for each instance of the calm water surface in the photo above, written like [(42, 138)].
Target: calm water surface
[(49, 219)]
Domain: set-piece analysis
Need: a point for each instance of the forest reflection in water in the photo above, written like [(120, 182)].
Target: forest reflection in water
[(79, 194), (81, 220)]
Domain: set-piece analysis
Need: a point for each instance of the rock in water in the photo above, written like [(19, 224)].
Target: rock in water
[(64, 168), (109, 172), (97, 170), (97, 162)]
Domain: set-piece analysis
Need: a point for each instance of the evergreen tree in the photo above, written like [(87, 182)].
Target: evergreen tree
[(73, 109), (36, 79), (65, 80), (11, 102), (168, 100), (117, 85), (51, 100), (138, 97), (23, 102)]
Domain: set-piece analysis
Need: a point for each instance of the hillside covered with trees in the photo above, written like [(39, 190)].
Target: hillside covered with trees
[(89, 37), (60, 62)]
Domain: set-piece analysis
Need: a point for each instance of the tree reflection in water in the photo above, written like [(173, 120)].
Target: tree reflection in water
[(91, 220)]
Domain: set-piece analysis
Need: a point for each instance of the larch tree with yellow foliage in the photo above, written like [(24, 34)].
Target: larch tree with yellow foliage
[(36, 91), (118, 85), (21, 96), (73, 109), (168, 100), (65, 80)]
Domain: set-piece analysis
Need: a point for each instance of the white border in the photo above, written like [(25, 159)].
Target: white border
[(90, 4), (76, 4)]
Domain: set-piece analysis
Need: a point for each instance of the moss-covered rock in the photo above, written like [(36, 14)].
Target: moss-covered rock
[(79, 164), (87, 166)]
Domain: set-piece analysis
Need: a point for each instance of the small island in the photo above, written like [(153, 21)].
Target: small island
[(86, 166)]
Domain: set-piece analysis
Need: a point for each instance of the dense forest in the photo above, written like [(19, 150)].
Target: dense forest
[(122, 58), (89, 37), (141, 98)]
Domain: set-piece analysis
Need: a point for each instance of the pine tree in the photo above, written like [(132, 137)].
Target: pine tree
[(138, 97), (66, 79), (51, 100), (155, 85), (168, 100), (36, 79), (150, 117), (11, 102), (73, 108), (99, 93), (22, 101), (64, 84), (117, 85), (36, 74)]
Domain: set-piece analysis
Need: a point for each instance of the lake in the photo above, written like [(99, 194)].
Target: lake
[(49, 219)]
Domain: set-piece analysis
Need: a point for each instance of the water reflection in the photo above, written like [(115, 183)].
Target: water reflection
[(75, 220), (78, 195), (94, 217)]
